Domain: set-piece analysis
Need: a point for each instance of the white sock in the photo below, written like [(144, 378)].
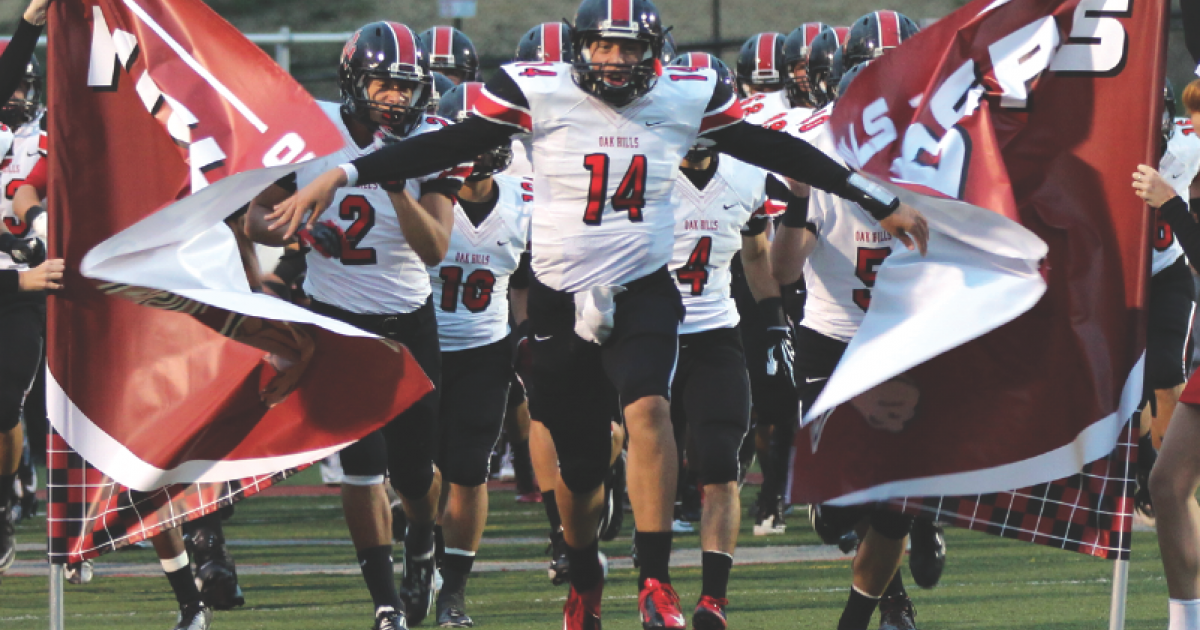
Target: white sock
[(1185, 614), (171, 565)]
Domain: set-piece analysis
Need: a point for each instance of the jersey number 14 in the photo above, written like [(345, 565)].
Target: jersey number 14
[(630, 196)]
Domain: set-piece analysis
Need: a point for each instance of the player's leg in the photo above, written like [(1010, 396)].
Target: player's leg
[(475, 386), (879, 557), (215, 568), (20, 356), (194, 613), (1173, 484)]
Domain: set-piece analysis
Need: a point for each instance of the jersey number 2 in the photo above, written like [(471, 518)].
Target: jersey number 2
[(869, 259), (630, 196), (356, 208)]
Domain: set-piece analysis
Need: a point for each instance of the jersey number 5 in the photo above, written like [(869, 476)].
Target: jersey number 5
[(869, 259), (630, 196), (477, 291)]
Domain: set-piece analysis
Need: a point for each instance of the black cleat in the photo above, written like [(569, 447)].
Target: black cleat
[(560, 567), (897, 613), (216, 573), (416, 588), (390, 619), (927, 553), (452, 610), (194, 616)]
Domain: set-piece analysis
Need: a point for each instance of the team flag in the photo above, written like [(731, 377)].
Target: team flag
[(1011, 356)]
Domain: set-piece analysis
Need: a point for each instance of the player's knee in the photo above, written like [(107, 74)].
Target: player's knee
[(718, 458), (891, 525), (1164, 374), (413, 481), (583, 475), (468, 468)]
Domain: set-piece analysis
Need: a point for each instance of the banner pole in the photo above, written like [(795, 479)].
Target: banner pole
[(56, 596), (1120, 593)]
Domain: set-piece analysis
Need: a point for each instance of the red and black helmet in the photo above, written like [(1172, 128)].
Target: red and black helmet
[(875, 33), (760, 62), (18, 111), (636, 20), (385, 50), (451, 53), (824, 67), (796, 49), (549, 41), (455, 106)]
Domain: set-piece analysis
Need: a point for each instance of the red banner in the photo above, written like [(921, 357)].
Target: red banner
[(1034, 113), (164, 122)]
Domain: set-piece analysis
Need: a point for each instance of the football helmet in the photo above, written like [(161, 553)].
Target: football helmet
[(549, 41), (876, 33), (455, 106), (760, 63), (1168, 116), (18, 111), (441, 85), (451, 53), (636, 20), (385, 50), (824, 59), (796, 49), (668, 48)]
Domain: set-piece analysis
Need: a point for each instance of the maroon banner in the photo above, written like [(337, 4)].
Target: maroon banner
[(1038, 111), (168, 369)]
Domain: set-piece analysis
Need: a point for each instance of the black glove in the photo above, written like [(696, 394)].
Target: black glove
[(30, 251), (781, 355), (326, 238)]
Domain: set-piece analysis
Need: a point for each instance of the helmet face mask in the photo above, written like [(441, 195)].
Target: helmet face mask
[(823, 69), (456, 106), (387, 51), (609, 26), (797, 48), (21, 110)]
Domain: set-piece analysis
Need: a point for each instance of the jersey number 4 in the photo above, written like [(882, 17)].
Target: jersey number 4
[(630, 196), (356, 208), (869, 259), (695, 272), (477, 291)]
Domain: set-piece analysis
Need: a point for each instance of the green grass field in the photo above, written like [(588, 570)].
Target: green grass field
[(989, 582)]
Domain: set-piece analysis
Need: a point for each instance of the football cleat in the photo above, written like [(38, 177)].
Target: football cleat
[(388, 618), (530, 497), (768, 518), (216, 573), (582, 611), (710, 614), (194, 616), (8, 543), (560, 567), (452, 610), (659, 606), (897, 613), (417, 588), (79, 572), (927, 552)]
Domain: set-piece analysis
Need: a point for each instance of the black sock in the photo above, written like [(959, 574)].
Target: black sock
[(183, 584), (586, 572), (715, 567), (6, 488), (654, 554), (551, 505), (895, 588), (858, 611), (455, 571), (380, 575), (418, 541)]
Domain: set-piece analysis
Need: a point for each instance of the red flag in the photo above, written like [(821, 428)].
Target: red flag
[(1037, 111), (165, 121)]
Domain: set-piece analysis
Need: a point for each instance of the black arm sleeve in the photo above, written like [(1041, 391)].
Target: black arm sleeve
[(432, 152), (10, 282), (520, 277), (1175, 213), (16, 58), (1191, 27)]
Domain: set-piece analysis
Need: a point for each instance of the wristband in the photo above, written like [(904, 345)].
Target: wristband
[(351, 174), (875, 199), (796, 214), (33, 213), (770, 311)]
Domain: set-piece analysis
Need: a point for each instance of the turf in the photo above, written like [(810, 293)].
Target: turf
[(988, 583)]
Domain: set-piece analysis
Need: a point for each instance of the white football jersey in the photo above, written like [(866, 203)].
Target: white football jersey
[(520, 166), (605, 177), (840, 271), (470, 287), (763, 106), (379, 273), (708, 232), (22, 164), (1178, 167)]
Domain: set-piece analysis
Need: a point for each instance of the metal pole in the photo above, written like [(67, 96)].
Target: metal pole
[(283, 50), (458, 23), (1120, 593), (56, 596), (716, 26)]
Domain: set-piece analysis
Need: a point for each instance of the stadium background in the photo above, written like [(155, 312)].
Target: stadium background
[(713, 25)]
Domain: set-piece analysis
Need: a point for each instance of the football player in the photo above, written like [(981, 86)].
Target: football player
[(603, 308), (719, 215), (451, 53), (1175, 477), (761, 76), (471, 286), (368, 268)]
